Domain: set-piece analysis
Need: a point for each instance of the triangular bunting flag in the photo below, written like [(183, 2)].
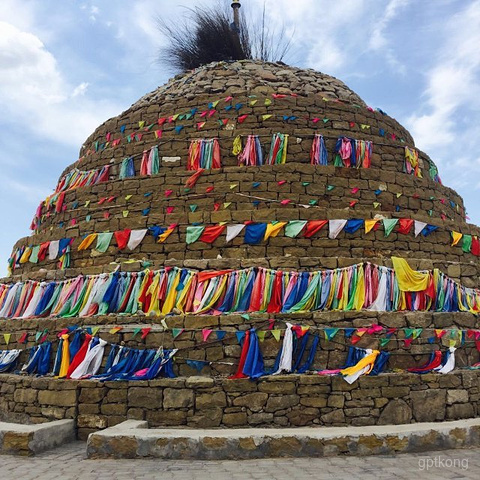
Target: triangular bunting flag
[(206, 333), (276, 334), (330, 333), (176, 332), (389, 224), (369, 224)]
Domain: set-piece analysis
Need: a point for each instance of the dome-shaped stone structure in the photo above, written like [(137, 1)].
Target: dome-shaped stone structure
[(138, 198), (307, 102)]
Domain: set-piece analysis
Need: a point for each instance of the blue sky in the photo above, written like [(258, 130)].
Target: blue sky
[(67, 66)]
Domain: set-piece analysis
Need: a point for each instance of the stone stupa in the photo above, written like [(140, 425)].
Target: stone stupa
[(116, 187)]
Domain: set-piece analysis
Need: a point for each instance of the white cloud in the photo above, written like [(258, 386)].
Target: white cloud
[(29, 193), (447, 123), (452, 84), (34, 92), (377, 39), (80, 89)]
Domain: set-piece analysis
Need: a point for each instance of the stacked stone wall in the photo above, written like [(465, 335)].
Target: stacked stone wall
[(281, 401)]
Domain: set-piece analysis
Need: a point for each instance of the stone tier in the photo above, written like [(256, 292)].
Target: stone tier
[(184, 94), (280, 401), (330, 354), (318, 252), (418, 196), (386, 152)]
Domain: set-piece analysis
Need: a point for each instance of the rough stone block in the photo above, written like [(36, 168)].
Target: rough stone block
[(177, 398), (66, 398), (428, 405), (457, 396), (146, 397)]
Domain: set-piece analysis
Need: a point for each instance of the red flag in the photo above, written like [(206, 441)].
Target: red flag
[(122, 237), (23, 338), (475, 246), (405, 225), (313, 226), (211, 233)]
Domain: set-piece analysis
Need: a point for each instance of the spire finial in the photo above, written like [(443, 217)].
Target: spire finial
[(236, 14)]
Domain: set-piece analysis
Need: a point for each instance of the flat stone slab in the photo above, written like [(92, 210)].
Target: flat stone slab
[(19, 439), (133, 439)]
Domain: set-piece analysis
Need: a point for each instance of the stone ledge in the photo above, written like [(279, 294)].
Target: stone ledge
[(132, 439), (19, 439)]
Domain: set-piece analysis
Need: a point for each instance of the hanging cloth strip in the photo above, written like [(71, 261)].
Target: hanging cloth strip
[(363, 367), (408, 279), (253, 366), (364, 150), (448, 362), (8, 360), (243, 357), (92, 361), (355, 287), (318, 152), (127, 168), (203, 154), (77, 178), (434, 361), (252, 154), (278, 149), (412, 166), (150, 164), (286, 356), (345, 152)]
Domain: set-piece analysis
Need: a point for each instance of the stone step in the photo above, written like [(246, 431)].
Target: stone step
[(26, 440), (133, 439)]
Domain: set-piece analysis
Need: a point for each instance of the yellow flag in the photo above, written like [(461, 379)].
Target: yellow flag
[(128, 197), (276, 334), (266, 117), (6, 337), (369, 224), (125, 213), (233, 185), (273, 229), (456, 237), (87, 241), (268, 102), (409, 280), (376, 204), (253, 102)]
